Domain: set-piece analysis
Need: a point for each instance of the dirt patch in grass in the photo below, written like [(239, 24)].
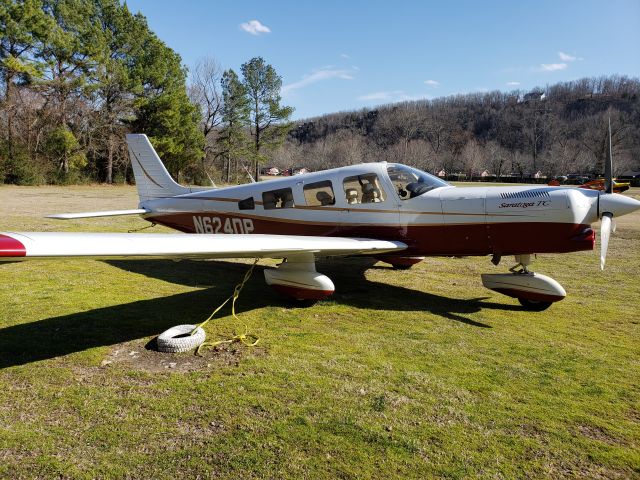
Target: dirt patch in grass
[(141, 356), (594, 432)]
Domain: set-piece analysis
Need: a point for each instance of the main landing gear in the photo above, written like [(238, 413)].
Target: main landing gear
[(534, 291), (298, 279)]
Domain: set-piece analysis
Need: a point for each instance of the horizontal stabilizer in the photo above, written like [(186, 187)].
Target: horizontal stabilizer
[(32, 245), (108, 213)]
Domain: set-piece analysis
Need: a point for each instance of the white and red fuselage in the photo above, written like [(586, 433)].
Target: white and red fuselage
[(445, 220)]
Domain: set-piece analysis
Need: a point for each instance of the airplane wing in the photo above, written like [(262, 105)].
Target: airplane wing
[(34, 245)]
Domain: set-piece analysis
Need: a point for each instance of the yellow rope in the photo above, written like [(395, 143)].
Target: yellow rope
[(245, 338)]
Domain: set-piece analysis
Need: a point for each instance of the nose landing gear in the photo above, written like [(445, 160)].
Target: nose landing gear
[(534, 291)]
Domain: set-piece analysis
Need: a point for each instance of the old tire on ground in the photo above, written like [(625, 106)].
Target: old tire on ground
[(179, 339), (534, 305)]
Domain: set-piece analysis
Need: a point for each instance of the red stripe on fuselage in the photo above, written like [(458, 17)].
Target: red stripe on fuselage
[(423, 240), (10, 247)]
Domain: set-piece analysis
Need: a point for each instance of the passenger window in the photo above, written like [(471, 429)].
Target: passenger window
[(247, 204), (319, 194), (363, 189), (282, 198)]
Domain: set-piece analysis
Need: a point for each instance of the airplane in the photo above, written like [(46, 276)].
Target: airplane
[(393, 212), (598, 184)]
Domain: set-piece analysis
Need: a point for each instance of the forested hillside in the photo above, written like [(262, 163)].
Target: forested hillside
[(556, 130)]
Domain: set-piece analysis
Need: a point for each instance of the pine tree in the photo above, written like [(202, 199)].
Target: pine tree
[(24, 28), (112, 79), (269, 120), (163, 109), (232, 140)]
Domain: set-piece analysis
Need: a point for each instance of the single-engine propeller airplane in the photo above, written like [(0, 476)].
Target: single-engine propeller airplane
[(390, 211)]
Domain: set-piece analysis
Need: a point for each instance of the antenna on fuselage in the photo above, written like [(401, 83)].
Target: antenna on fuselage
[(253, 180)]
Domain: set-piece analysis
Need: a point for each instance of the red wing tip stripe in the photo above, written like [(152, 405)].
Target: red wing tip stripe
[(10, 247)]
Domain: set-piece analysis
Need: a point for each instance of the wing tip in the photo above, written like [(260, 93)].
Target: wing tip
[(10, 247)]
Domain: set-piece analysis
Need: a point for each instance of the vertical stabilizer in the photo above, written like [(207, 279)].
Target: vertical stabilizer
[(152, 178)]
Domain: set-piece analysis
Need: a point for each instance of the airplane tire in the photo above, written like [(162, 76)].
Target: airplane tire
[(179, 339), (305, 303), (533, 305), (401, 267)]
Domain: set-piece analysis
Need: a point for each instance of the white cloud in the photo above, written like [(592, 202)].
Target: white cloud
[(432, 83), (344, 55), (254, 27), (513, 84), (565, 57), (390, 96), (553, 67), (324, 73)]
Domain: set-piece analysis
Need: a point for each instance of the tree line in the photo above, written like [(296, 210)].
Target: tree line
[(556, 130), (77, 75)]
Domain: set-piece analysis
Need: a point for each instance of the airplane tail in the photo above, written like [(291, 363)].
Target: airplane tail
[(152, 178)]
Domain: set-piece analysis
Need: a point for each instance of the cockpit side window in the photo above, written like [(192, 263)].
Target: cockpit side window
[(319, 194), (410, 182), (273, 199), (364, 188)]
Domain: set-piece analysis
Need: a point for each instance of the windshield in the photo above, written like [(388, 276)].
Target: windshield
[(410, 182)]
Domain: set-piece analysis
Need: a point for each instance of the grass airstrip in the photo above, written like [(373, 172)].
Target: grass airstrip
[(401, 374)]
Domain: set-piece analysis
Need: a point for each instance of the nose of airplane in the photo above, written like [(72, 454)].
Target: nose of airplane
[(617, 204)]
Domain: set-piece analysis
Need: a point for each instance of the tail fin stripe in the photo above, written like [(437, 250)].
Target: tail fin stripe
[(152, 178), (145, 172)]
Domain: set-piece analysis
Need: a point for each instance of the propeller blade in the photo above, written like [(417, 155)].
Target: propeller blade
[(605, 233), (608, 166)]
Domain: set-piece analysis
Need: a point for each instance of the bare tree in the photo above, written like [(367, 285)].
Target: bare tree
[(204, 91), (472, 158), (496, 159)]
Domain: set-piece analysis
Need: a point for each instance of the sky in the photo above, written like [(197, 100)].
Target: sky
[(337, 55)]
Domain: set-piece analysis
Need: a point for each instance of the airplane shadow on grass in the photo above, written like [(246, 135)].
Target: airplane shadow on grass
[(58, 336)]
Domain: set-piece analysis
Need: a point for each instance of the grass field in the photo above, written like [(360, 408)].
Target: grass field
[(402, 374)]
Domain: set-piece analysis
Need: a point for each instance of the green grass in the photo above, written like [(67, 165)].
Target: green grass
[(417, 374)]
